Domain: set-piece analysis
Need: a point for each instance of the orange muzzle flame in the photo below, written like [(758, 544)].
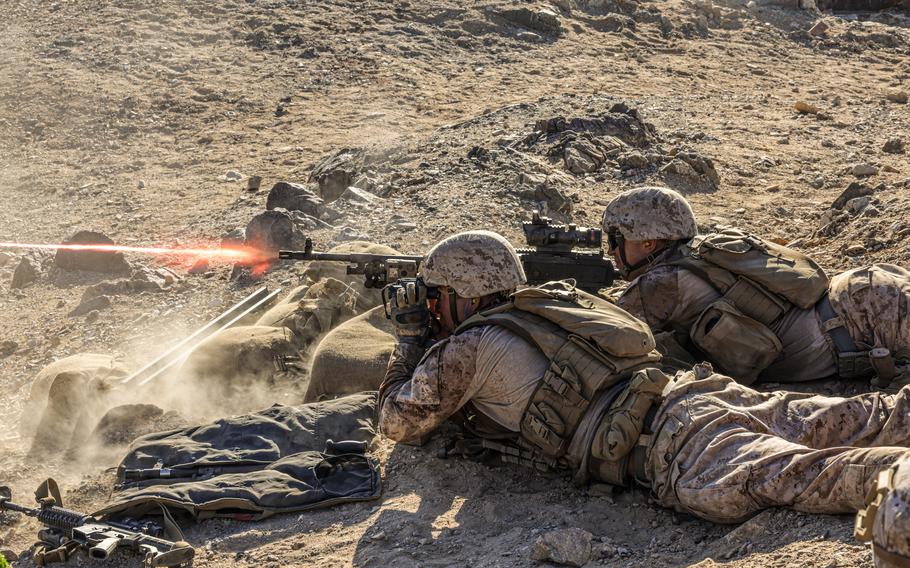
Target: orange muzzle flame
[(239, 254)]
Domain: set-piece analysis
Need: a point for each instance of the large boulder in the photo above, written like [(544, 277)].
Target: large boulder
[(352, 358), (294, 197), (335, 172), (107, 262), (273, 230)]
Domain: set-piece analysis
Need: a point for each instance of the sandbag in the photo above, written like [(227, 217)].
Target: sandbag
[(282, 459), (92, 370), (240, 359), (353, 357), (322, 307)]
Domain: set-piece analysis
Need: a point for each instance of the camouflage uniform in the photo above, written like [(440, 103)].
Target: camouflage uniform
[(886, 520), (719, 450), (873, 304)]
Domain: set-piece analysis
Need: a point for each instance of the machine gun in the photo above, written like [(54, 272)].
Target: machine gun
[(377, 269), (68, 530), (552, 256)]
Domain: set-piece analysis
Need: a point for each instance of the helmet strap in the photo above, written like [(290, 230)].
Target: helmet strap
[(453, 307), (630, 268)]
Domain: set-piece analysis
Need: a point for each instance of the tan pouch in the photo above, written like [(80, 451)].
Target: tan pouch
[(739, 345), (625, 421)]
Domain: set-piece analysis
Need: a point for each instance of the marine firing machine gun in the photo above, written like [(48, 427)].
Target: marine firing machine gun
[(68, 531), (553, 256)]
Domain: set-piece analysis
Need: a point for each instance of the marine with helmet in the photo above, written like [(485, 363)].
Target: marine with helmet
[(757, 310), (557, 379)]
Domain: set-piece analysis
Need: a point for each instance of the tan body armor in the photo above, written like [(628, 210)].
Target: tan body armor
[(595, 349), (760, 282)]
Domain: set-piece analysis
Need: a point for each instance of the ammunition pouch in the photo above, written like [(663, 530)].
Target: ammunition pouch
[(756, 302), (620, 443), (559, 403), (740, 345)]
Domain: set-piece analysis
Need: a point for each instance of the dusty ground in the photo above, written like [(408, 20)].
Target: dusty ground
[(127, 118)]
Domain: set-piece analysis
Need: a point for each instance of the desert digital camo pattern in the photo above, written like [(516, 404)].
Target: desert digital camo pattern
[(874, 303), (491, 367), (891, 528), (474, 264), (723, 452), (646, 213)]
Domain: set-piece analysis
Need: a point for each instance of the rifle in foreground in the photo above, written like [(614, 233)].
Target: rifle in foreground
[(69, 530), (552, 254)]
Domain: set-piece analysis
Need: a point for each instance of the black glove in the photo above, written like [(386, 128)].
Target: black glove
[(407, 304)]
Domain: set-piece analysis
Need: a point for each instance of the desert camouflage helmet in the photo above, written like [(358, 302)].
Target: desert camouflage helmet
[(646, 213), (474, 264), (886, 519)]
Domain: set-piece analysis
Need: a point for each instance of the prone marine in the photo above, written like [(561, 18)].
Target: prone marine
[(755, 309), (564, 380)]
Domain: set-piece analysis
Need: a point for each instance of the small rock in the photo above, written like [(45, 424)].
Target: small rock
[(773, 188), (894, 146), (92, 316), (232, 176), (201, 266), (897, 96), (7, 348), (854, 190), (26, 272), (528, 36), (805, 108), (633, 160), (855, 250), (140, 184), (357, 195), (272, 230), (857, 204), (863, 170), (334, 173), (818, 29), (569, 547), (253, 183), (378, 536), (91, 304)]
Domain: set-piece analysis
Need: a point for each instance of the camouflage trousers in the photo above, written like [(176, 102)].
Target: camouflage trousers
[(874, 303), (723, 452)]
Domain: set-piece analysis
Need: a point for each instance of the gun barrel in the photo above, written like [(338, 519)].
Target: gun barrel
[(359, 258)]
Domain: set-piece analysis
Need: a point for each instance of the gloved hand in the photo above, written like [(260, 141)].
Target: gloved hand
[(407, 308)]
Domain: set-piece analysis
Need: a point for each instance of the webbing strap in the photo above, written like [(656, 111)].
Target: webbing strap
[(833, 325)]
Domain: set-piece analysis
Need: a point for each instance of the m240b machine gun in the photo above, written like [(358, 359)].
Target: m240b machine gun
[(68, 531), (552, 254)]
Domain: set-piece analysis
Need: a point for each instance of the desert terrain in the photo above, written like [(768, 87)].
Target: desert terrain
[(146, 121)]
